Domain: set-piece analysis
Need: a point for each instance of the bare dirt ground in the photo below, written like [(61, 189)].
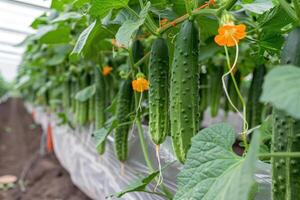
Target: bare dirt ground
[(44, 178)]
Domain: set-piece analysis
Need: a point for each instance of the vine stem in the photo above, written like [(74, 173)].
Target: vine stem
[(297, 8), (280, 154), (138, 120), (243, 116), (286, 6)]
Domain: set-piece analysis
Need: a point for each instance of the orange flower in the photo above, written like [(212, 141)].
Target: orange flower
[(140, 84), (230, 34), (106, 70)]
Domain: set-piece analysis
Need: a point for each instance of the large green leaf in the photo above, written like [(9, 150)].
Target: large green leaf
[(213, 171), (86, 93), (88, 39), (282, 89), (67, 16), (101, 8), (258, 6), (126, 31), (53, 34), (59, 4)]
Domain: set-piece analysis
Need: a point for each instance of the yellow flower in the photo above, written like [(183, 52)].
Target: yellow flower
[(140, 84), (230, 34), (106, 70)]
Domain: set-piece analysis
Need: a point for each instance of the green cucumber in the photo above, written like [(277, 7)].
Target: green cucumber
[(159, 91), (184, 90), (83, 106), (124, 108), (286, 136), (66, 95), (254, 107), (215, 88), (100, 101)]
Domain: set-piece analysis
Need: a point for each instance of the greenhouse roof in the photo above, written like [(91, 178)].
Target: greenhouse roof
[(15, 19)]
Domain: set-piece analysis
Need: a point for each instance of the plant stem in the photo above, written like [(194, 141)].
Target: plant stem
[(185, 17), (188, 7), (297, 8), (286, 6), (138, 120), (280, 154), (138, 63), (229, 4), (245, 126)]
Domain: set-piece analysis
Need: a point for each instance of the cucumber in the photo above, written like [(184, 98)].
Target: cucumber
[(100, 99), (286, 136), (124, 108), (83, 106), (66, 95), (215, 88), (159, 91), (254, 107), (184, 90)]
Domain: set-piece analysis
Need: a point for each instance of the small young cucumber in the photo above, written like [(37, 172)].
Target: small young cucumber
[(83, 106), (215, 88), (159, 91), (286, 135), (184, 90), (100, 99), (66, 95), (254, 107), (124, 108)]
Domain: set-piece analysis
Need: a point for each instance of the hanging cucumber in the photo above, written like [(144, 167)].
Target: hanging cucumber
[(66, 95), (83, 106), (159, 91), (254, 107), (215, 88), (100, 98), (286, 136), (184, 90), (124, 108)]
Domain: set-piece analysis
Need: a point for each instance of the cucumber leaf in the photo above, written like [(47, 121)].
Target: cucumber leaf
[(126, 31), (101, 8), (86, 93), (213, 171), (281, 89)]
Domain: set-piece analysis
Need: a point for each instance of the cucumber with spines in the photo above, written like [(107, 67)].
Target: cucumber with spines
[(159, 91), (286, 135), (184, 90), (100, 101), (254, 107), (124, 108)]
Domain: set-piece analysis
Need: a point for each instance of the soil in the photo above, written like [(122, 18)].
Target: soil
[(43, 177)]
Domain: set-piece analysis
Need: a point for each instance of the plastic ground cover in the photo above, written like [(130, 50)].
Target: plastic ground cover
[(100, 176)]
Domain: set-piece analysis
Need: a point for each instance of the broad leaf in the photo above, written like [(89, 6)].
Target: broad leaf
[(86, 93), (213, 171), (258, 6), (126, 31), (85, 42), (100, 136), (101, 8), (281, 89), (59, 4), (53, 34), (67, 16), (55, 60)]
